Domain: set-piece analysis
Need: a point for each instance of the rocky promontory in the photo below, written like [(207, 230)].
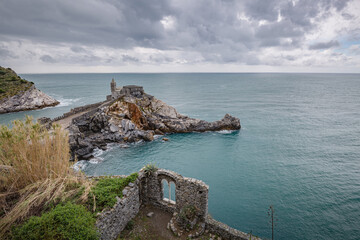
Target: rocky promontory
[(17, 94), (133, 116)]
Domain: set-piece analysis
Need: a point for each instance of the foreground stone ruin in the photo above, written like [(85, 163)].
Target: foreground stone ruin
[(190, 195)]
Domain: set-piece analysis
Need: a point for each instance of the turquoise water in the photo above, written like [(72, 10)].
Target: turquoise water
[(298, 149)]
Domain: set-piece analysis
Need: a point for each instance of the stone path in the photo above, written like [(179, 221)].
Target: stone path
[(65, 123)]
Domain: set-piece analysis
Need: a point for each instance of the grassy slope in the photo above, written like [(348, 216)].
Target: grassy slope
[(11, 84)]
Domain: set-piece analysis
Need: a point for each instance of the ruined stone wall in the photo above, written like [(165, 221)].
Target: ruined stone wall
[(147, 189), (225, 231), (188, 191), (110, 223)]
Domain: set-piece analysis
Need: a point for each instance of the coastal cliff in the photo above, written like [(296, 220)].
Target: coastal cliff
[(133, 116), (17, 94)]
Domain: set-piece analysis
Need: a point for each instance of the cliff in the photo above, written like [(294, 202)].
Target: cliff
[(17, 94), (132, 118)]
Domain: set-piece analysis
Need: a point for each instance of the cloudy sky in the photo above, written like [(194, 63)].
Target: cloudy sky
[(40, 36)]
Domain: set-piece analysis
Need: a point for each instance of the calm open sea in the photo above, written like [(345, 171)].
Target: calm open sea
[(298, 149)]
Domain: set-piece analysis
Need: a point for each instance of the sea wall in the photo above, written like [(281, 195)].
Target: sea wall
[(226, 232), (76, 110), (111, 222)]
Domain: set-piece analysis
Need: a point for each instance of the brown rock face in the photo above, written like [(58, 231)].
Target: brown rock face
[(136, 116)]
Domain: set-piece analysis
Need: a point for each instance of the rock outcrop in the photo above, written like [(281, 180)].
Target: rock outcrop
[(29, 100), (130, 119)]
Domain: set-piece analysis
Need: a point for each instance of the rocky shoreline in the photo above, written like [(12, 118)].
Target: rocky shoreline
[(31, 99), (131, 118)]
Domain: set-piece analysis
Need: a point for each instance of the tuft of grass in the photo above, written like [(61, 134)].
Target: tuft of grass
[(150, 169), (69, 221), (103, 194), (35, 172)]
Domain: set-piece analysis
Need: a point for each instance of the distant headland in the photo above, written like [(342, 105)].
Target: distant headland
[(17, 94)]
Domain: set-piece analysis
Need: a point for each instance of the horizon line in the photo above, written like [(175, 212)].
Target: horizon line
[(188, 72)]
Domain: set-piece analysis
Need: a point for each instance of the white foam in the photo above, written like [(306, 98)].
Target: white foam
[(124, 145), (158, 136), (66, 101), (138, 142), (98, 152), (226, 131), (96, 160), (80, 165)]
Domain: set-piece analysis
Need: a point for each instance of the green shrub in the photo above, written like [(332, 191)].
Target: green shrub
[(107, 189), (2, 91), (69, 221)]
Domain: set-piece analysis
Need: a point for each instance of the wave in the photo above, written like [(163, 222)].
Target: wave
[(64, 102), (226, 131), (158, 136), (80, 165)]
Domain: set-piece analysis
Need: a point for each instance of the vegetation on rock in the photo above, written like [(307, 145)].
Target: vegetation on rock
[(103, 194), (150, 168), (11, 84)]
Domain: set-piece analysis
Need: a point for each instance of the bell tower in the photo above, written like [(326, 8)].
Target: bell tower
[(113, 85)]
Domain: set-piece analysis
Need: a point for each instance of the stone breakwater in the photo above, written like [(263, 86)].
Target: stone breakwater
[(31, 99), (132, 118)]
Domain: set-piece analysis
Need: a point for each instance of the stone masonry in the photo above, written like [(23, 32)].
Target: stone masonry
[(188, 191), (148, 189), (111, 222), (117, 92)]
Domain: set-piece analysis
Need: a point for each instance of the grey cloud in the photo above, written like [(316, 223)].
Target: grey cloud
[(5, 53), (211, 28), (347, 16), (47, 59), (127, 58), (324, 45), (77, 49), (290, 58)]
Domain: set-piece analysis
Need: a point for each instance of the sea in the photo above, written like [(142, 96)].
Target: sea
[(298, 149)]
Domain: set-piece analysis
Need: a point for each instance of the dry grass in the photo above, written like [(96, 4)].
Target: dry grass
[(32, 153), (35, 167)]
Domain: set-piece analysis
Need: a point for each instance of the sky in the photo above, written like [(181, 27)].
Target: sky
[(69, 36)]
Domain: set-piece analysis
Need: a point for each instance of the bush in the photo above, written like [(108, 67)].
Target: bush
[(69, 221), (107, 189), (2, 91)]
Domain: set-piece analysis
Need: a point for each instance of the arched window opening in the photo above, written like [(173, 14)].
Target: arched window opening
[(172, 191), (168, 189)]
